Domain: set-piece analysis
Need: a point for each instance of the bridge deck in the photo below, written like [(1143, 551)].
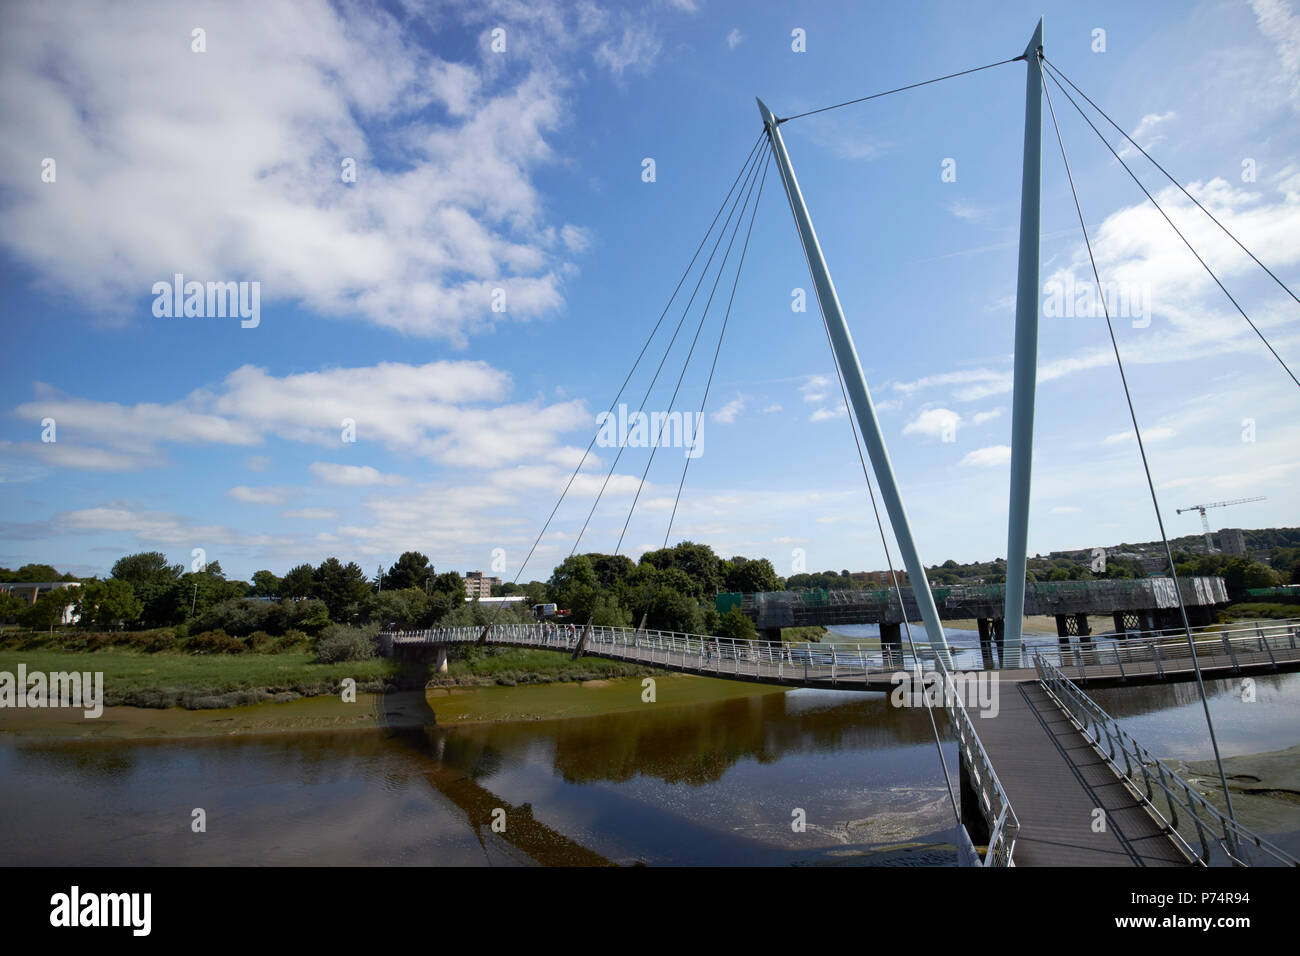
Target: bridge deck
[(1056, 780)]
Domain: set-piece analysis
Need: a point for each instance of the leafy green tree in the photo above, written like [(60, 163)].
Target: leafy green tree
[(37, 573), (11, 606), (411, 570), (450, 584), (106, 603), (265, 584), (297, 584), (153, 581), (408, 608), (574, 585), (340, 586), (737, 626), (49, 608), (749, 576), (702, 567), (607, 612)]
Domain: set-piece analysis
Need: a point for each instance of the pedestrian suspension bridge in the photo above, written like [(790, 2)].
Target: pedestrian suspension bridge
[(1046, 776)]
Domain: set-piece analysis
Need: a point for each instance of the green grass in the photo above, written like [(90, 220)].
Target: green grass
[(797, 635), (524, 665), (1252, 610), (164, 679)]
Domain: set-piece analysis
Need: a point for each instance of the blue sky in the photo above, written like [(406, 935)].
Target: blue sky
[(479, 169)]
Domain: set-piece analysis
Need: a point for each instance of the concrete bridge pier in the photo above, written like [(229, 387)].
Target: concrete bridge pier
[(437, 652)]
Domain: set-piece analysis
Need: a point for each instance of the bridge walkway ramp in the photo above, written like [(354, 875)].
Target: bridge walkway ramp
[(1056, 780)]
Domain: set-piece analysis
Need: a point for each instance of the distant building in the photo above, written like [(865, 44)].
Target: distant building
[(29, 591), (1232, 541), (479, 586)]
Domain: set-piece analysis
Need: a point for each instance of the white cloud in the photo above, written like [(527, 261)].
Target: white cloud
[(1064, 510), (979, 418), (1149, 434), (771, 408), (968, 211), (259, 496), (451, 412), (814, 390), (991, 457), (444, 209), (824, 414), (734, 38), (933, 423), (1279, 23), (351, 475), (728, 412), (1144, 135), (312, 514), (636, 50)]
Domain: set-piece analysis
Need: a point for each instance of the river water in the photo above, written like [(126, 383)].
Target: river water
[(722, 782)]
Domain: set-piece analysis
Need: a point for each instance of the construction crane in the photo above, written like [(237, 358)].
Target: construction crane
[(1205, 522)]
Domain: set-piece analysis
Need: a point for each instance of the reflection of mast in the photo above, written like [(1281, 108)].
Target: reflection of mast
[(522, 831)]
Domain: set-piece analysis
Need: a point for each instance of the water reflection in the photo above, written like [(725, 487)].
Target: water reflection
[(708, 783)]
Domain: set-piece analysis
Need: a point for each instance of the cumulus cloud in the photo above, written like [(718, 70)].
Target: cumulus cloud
[(353, 476), (227, 165), (991, 457), (453, 412), (938, 423), (824, 414), (259, 496)]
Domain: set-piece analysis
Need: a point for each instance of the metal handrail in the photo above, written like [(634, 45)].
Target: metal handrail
[(858, 660), (1000, 820), (1145, 773)]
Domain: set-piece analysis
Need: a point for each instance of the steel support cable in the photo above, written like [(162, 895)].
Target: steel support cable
[(1190, 248), (910, 86), (645, 398), (718, 350), (645, 616), (1137, 433), (644, 348), (889, 563), (1055, 69), (722, 268)]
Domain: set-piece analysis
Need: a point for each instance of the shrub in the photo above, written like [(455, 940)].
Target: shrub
[(237, 616), (291, 640), (163, 639), (215, 642), (338, 642), (257, 641)]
